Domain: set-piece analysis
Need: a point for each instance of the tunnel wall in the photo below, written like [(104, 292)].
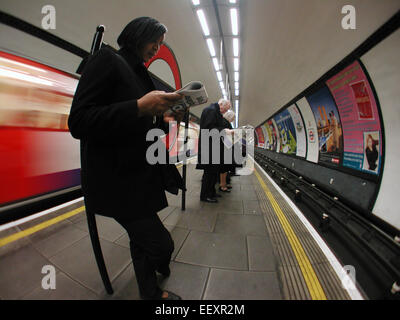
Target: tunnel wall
[(383, 65), (336, 156)]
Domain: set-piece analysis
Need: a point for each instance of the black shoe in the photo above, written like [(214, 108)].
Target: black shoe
[(171, 296), (165, 272), (210, 200), (222, 190)]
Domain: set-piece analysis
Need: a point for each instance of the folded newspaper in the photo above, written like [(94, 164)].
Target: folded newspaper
[(231, 139), (194, 94)]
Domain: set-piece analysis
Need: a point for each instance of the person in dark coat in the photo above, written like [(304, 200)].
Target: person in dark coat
[(114, 107), (211, 118)]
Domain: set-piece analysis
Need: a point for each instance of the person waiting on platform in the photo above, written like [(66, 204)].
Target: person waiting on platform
[(211, 118), (225, 178), (114, 107)]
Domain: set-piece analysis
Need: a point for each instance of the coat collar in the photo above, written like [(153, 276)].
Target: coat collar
[(137, 65), (133, 60)]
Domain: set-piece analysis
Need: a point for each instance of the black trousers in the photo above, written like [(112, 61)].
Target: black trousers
[(209, 180), (151, 248)]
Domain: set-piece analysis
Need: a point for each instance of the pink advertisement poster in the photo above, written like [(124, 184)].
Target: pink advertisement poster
[(260, 137), (359, 118)]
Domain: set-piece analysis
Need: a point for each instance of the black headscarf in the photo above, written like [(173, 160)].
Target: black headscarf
[(140, 31)]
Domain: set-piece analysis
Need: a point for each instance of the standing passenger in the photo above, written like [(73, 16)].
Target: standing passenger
[(114, 107), (211, 118)]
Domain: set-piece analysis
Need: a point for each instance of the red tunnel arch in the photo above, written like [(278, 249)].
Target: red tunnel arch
[(165, 53)]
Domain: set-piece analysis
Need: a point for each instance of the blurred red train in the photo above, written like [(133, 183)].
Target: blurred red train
[(37, 153)]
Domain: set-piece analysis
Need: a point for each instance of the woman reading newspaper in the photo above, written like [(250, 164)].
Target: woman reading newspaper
[(114, 107)]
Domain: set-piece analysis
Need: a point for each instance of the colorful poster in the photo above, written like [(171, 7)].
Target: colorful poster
[(265, 134), (272, 136), (287, 132), (328, 126), (360, 119), (311, 129), (300, 132), (260, 137)]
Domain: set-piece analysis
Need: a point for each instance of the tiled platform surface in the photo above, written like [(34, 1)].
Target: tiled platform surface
[(222, 251)]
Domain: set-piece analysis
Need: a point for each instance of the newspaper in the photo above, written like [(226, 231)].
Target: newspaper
[(231, 139), (194, 94)]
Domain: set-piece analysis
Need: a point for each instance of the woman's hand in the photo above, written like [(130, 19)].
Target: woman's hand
[(156, 103)]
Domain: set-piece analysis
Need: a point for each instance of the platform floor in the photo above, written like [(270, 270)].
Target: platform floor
[(222, 251)]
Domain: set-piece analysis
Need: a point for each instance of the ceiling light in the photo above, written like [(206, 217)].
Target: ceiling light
[(237, 85), (236, 47), (236, 92), (196, 2), (216, 64), (232, 1), (219, 76), (221, 84), (236, 76), (234, 21), (203, 22), (236, 64), (237, 112), (210, 44)]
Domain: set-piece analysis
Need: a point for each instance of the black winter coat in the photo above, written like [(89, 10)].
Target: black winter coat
[(116, 179), (211, 118)]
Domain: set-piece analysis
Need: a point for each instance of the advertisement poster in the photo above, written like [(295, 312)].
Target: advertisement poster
[(360, 119), (300, 131), (287, 132), (265, 135), (272, 136), (260, 137), (311, 130), (328, 126)]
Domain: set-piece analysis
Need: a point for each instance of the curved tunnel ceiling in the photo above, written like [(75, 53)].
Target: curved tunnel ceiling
[(285, 46)]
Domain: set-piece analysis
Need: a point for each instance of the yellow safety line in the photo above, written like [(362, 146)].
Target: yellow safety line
[(40, 226), (310, 277), (43, 225)]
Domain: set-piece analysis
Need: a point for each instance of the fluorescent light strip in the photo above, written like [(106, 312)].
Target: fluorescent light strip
[(234, 21), (211, 48), (37, 215), (236, 76), (219, 75), (237, 112), (221, 84), (236, 92), (236, 47), (216, 64), (236, 64), (237, 85), (203, 22), (196, 2), (232, 1)]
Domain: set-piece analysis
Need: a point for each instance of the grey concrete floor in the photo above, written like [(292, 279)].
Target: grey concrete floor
[(222, 251)]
